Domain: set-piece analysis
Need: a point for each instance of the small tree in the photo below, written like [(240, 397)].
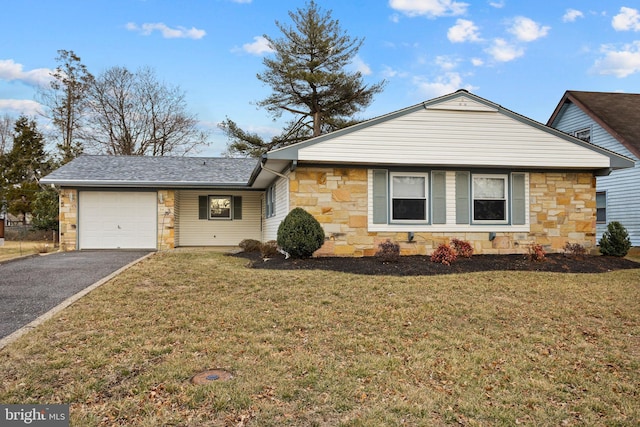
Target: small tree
[(45, 210), (615, 241), (300, 234)]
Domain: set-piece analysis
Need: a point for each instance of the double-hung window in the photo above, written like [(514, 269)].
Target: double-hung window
[(409, 197), (219, 207), (490, 203), (270, 201), (601, 207)]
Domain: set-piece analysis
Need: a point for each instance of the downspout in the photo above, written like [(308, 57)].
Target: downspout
[(263, 167)]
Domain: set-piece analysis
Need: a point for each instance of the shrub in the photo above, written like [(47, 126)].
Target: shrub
[(268, 249), (388, 251), (444, 254), (536, 253), (250, 245), (300, 234), (615, 241), (462, 248), (574, 250)]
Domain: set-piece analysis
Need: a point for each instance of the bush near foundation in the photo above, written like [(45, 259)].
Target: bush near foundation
[(574, 250), (462, 247), (300, 234), (444, 254), (536, 253), (250, 245), (388, 251), (268, 249), (615, 241)]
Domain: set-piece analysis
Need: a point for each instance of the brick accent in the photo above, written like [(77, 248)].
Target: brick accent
[(561, 210)]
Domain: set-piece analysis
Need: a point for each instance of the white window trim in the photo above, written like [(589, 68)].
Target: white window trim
[(505, 177), (582, 130), (217, 218), (426, 198)]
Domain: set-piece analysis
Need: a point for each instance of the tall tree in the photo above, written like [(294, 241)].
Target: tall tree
[(23, 167), (309, 79), (135, 114), (66, 102), (6, 126)]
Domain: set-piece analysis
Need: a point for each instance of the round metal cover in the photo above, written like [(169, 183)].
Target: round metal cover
[(206, 377)]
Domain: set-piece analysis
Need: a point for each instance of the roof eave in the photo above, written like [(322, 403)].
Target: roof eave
[(140, 184)]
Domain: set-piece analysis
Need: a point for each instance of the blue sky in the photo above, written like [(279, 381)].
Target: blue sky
[(520, 54)]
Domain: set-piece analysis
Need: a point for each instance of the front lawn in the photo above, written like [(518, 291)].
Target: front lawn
[(327, 348)]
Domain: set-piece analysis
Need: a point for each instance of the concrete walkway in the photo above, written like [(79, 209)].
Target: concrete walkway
[(31, 287)]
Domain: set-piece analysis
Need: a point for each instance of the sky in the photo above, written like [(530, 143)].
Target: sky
[(520, 54)]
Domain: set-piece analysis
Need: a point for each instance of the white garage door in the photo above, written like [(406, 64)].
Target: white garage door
[(117, 220)]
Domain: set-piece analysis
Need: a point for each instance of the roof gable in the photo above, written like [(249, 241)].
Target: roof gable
[(617, 113), (459, 129)]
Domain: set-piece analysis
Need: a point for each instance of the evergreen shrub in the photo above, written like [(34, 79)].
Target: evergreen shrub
[(300, 234), (615, 241)]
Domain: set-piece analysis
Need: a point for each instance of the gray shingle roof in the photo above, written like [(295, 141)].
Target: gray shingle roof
[(146, 171)]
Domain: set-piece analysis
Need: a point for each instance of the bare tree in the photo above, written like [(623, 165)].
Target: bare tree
[(66, 102), (6, 135), (135, 114)]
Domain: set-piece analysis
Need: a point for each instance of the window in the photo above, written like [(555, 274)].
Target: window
[(601, 207), (219, 207), (490, 198), (270, 202), (409, 197), (583, 134)]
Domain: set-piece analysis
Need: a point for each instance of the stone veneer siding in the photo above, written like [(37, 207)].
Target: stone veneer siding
[(562, 209), (69, 219)]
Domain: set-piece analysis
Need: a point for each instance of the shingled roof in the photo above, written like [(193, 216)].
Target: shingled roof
[(147, 171), (617, 113)]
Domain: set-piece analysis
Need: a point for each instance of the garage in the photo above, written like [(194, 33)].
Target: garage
[(117, 220)]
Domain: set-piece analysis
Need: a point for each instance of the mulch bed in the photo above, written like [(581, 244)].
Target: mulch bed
[(417, 265)]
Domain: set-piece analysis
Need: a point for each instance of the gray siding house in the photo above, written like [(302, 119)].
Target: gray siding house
[(611, 121)]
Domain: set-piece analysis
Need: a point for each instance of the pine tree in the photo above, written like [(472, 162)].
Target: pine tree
[(307, 74)]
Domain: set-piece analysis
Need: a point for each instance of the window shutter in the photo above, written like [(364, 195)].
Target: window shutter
[(462, 198), (203, 202), (518, 204), (439, 197), (379, 196), (237, 207)]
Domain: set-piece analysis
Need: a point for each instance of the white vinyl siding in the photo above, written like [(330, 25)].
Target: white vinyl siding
[(271, 224), (450, 200), (117, 220), (621, 186), (204, 232), (461, 138)]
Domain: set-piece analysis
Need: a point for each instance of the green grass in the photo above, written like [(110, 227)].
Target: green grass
[(323, 348)]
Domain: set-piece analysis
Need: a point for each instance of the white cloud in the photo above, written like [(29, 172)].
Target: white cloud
[(259, 46), (362, 67), (497, 4), (429, 8), (527, 30), (20, 106), (395, 18), (571, 15), (504, 52), (477, 62), (442, 85), (167, 32), (241, 1), (10, 70), (463, 31), (446, 63), (620, 63), (627, 20)]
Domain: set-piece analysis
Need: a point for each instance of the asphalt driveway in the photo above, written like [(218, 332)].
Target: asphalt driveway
[(30, 287)]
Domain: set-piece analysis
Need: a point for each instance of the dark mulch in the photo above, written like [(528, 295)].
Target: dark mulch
[(422, 266)]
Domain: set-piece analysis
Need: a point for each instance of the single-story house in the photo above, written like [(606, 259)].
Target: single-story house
[(610, 120), (455, 166)]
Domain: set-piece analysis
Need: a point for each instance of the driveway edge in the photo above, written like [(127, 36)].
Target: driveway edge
[(66, 303)]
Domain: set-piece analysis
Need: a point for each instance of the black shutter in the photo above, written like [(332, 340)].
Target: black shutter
[(203, 207)]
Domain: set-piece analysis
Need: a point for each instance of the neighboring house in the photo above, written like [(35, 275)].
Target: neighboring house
[(455, 166), (612, 121)]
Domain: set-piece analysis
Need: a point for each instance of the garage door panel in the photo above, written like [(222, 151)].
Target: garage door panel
[(117, 220)]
